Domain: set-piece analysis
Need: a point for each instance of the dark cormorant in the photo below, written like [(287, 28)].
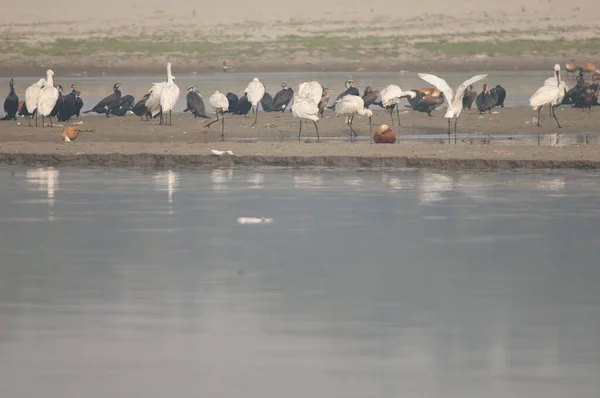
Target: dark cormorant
[(140, 107), (266, 101), (243, 106), (233, 101), (282, 99), (195, 104), (125, 105), (370, 96), (501, 95), (11, 103), (469, 97), (425, 103), (67, 108), (486, 100), (324, 101), (108, 103)]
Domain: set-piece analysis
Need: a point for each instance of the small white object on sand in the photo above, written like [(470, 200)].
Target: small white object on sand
[(254, 220), (219, 153)]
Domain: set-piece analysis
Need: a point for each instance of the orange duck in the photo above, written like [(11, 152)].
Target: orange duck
[(588, 67), (69, 134), (384, 135), (429, 92), (570, 67)]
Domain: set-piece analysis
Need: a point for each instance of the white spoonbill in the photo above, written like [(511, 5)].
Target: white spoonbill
[(306, 104), (47, 97), (351, 105), (153, 101), (168, 96), (548, 94), (220, 104), (553, 81), (255, 91), (454, 100), (31, 95), (390, 97)]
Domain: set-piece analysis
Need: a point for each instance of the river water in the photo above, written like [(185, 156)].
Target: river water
[(141, 283), (520, 85)]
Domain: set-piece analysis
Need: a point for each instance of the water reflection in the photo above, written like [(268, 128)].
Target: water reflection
[(167, 181), (432, 185), (367, 284), (220, 178), (44, 179)]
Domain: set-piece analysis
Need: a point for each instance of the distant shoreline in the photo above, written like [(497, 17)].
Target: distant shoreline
[(137, 69)]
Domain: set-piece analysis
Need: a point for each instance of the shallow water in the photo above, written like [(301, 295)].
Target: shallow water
[(519, 85), (127, 283)]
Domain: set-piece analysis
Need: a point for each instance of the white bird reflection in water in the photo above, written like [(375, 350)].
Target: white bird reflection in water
[(256, 181), (308, 181), (46, 180), (432, 185), (167, 181), (394, 183), (552, 184), (220, 177)]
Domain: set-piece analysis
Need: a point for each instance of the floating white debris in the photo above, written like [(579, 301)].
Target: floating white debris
[(79, 122), (254, 220), (219, 153), (495, 113)]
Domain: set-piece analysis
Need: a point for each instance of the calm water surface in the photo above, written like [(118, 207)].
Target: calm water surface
[(520, 85), (131, 283)]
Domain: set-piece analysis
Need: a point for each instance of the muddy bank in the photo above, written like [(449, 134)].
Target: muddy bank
[(506, 140), (333, 155)]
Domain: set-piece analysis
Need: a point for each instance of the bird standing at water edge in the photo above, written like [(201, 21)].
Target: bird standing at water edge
[(195, 103), (168, 97), (255, 91), (305, 104), (390, 96), (351, 105), (282, 99), (548, 94), (108, 103), (47, 97), (220, 104), (11, 103), (455, 104), (31, 96)]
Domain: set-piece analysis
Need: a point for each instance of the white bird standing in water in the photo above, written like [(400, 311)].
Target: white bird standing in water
[(168, 96), (550, 93), (454, 100), (31, 97), (390, 97), (305, 104), (47, 97), (351, 105), (220, 103), (255, 91)]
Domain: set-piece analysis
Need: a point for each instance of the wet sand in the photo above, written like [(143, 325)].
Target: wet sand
[(127, 141)]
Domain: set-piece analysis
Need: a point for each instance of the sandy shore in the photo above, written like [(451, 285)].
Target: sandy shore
[(127, 141)]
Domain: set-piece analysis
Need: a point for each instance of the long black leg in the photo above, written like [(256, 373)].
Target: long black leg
[(392, 115), (300, 131), (539, 115), (223, 128), (398, 114), (555, 118), (317, 128), (455, 122), (255, 115)]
